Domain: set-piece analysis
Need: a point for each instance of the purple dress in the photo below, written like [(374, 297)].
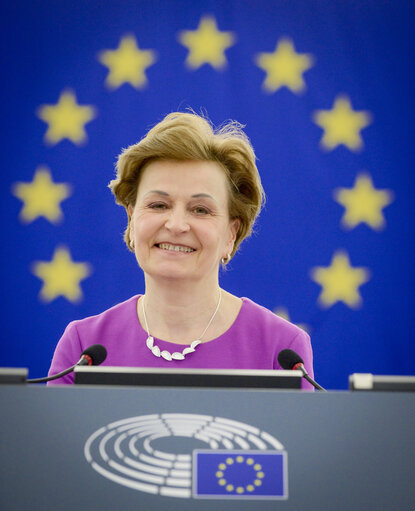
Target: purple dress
[(252, 342)]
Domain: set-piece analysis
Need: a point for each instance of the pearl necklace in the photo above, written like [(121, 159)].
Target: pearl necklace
[(176, 355)]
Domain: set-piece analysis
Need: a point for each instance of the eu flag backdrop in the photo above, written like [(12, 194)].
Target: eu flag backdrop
[(325, 89)]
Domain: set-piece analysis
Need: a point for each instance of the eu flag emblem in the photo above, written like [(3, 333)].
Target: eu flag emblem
[(240, 474)]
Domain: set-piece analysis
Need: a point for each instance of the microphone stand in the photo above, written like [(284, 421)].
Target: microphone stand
[(50, 378), (85, 360), (301, 367)]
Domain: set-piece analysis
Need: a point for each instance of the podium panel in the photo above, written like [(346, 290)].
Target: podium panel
[(121, 448)]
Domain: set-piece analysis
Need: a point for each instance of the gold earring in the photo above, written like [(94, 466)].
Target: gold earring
[(225, 260)]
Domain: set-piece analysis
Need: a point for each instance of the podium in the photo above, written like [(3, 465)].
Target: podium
[(344, 451)]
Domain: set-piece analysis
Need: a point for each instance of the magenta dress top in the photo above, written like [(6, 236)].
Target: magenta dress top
[(252, 342)]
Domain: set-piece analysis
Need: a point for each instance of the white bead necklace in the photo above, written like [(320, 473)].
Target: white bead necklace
[(176, 355)]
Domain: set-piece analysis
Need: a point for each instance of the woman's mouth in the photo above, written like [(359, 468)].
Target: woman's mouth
[(174, 248)]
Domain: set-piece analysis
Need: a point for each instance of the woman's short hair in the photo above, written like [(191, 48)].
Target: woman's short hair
[(190, 137)]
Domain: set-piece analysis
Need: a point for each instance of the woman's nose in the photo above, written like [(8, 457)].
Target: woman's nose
[(177, 220)]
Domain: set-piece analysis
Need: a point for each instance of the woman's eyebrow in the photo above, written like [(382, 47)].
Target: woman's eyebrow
[(158, 192), (198, 195), (195, 196)]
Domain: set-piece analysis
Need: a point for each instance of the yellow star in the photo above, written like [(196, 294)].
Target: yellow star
[(41, 197), (207, 44), (363, 203), (127, 64), (61, 276), (66, 119), (284, 67), (340, 281), (342, 125), (282, 312)]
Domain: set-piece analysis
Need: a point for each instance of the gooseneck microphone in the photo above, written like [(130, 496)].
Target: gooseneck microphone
[(289, 359), (92, 356)]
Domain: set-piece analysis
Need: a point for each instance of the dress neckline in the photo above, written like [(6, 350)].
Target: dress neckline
[(168, 343)]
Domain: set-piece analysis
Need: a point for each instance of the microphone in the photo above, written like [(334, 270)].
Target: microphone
[(289, 359), (92, 356)]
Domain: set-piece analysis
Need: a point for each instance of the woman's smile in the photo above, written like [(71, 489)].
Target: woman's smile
[(170, 247)]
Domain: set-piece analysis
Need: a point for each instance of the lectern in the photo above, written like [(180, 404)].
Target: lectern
[(128, 448)]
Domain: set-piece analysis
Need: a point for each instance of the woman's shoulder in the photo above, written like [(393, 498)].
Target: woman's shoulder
[(255, 314), (266, 328), (120, 312)]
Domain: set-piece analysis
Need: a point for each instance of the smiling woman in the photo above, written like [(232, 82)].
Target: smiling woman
[(180, 226), (192, 195)]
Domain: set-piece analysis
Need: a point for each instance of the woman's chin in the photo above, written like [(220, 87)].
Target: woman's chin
[(170, 271)]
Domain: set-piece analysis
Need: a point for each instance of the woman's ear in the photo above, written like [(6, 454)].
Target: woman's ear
[(234, 228), (130, 211)]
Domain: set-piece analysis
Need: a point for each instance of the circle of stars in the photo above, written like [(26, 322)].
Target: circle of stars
[(206, 45), (232, 487)]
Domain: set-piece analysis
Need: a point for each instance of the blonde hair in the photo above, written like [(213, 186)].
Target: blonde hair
[(190, 137)]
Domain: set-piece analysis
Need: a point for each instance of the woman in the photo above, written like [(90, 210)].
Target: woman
[(191, 195)]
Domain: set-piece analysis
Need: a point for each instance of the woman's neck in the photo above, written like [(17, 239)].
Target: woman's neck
[(179, 311)]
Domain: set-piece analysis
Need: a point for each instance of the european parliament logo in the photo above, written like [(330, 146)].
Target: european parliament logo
[(156, 454), (240, 474)]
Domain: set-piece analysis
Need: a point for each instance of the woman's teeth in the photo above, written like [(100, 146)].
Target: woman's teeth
[(175, 248)]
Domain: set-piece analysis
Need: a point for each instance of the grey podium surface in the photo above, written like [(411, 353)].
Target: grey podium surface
[(346, 451)]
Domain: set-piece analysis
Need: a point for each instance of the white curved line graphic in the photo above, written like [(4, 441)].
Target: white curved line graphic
[(122, 451)]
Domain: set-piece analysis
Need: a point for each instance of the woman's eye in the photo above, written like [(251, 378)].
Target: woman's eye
[(157, 205), (200, 210)]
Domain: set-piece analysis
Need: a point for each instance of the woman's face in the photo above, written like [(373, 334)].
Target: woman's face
[(180, 223)]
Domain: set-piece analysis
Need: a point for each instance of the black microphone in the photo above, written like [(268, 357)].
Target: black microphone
[(92, 356), (289, 359)]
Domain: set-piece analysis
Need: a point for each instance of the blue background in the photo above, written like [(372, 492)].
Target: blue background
[(361, 49)]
